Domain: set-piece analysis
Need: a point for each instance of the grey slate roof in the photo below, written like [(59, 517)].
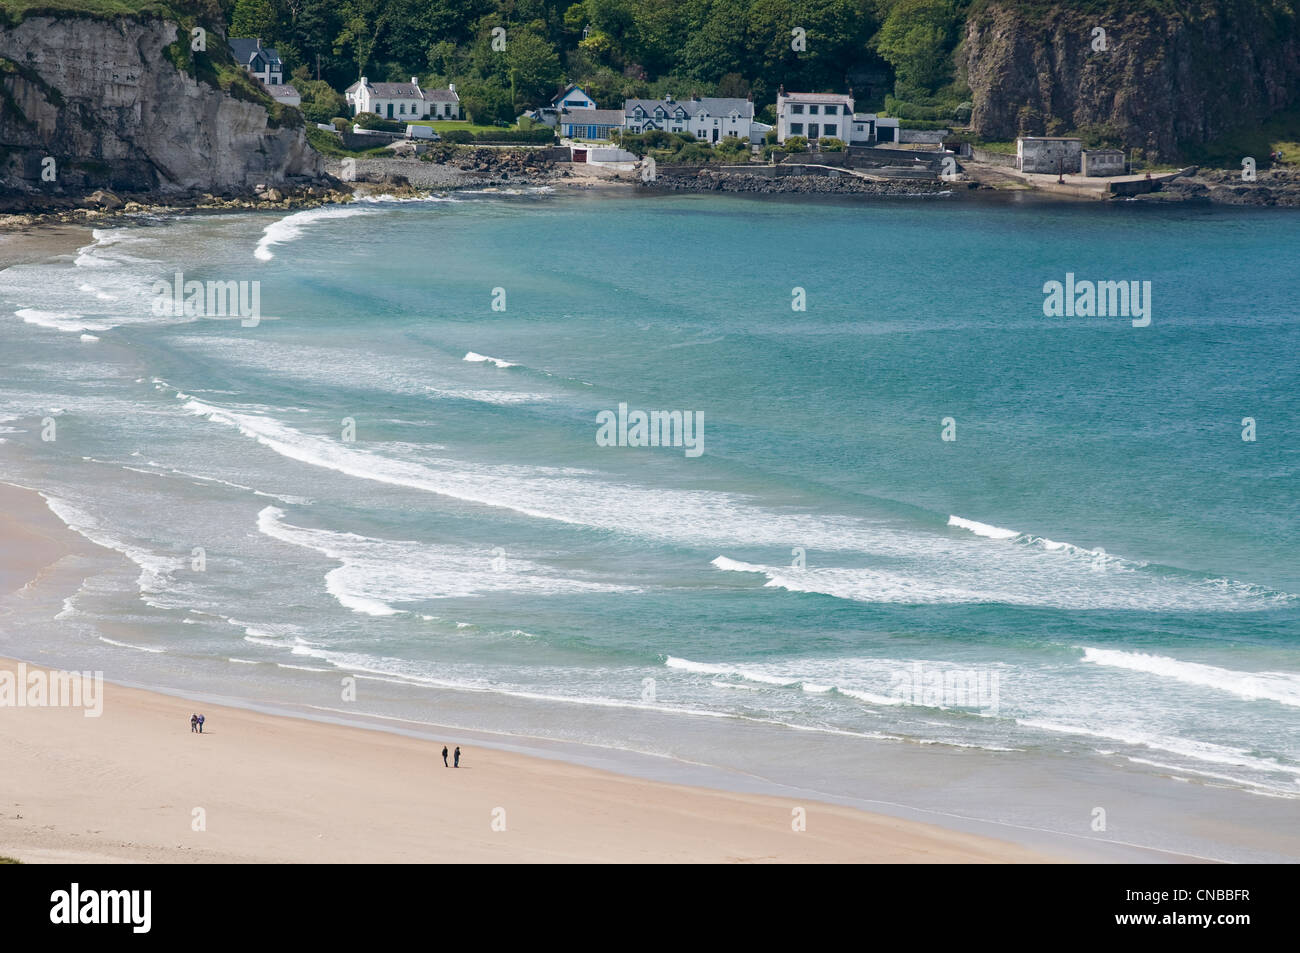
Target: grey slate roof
[(593, 117), (714, 106), (244, 50), (406, 91)]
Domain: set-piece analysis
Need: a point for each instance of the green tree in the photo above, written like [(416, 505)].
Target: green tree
[(917, 39), (253, 18), (534, 67)]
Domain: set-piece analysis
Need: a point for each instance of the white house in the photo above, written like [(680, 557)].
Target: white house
[(709, 119), (262, 61), (815, 116), (403, 100), (573, 97), (830, 115)]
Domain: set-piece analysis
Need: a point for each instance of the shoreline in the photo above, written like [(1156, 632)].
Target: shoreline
[(262, 788), (648, 795), (512, 169)]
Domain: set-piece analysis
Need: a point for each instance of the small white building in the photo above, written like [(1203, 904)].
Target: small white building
[(401, 101), (710, 119), (1050, 155), (262, 61)]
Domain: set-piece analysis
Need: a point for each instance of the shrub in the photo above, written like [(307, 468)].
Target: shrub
[(538, 136), (458, 136), (796, 144), (373, 121), (830, 144)]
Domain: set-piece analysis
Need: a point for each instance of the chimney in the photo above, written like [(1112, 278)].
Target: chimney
[(451, 87), (780, 90), (415, 81), (257, 40), (364, 81)]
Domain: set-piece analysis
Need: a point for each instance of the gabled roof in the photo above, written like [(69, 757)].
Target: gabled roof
[(713, 106), (406, 91), (282, 91), (568, 89), (245, 50)]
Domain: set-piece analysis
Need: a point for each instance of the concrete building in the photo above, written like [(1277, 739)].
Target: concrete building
[(403, 100), (710, 119), (1102, 162), (1050, 155)]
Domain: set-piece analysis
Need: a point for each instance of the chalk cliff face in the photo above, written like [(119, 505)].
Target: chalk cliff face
[(1180, 76), (116, 108)]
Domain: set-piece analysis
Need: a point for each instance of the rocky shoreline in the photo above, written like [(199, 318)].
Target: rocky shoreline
[(448, 169), (1272, 188), (25, 211), (711, 180)]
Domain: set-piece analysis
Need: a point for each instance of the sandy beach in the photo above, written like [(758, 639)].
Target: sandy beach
[(136, 785)]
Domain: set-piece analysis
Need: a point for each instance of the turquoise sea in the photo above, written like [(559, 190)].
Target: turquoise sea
[(1091, 591)]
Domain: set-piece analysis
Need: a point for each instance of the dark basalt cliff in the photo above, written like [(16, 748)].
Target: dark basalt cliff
[(1172, 75), (122, 102)]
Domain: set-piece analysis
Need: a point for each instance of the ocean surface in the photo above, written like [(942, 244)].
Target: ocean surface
[(394, 476)]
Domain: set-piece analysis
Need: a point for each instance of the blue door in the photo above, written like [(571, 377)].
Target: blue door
[(390, 110)]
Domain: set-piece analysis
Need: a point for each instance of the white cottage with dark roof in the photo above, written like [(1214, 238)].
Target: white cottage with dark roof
[(710, 119), (262, 61), (401, 101)]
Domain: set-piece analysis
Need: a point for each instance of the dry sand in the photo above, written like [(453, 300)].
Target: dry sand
[(134, 784)]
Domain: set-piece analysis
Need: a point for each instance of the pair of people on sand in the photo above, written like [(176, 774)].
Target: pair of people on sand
[(444, 757), (196, 723)]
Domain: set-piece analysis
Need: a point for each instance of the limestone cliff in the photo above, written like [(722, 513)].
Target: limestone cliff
[(1172, 74), (122, 102)]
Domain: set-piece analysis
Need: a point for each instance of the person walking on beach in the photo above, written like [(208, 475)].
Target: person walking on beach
[(194, 722), (456, 758), (200, 724), (444, 756)]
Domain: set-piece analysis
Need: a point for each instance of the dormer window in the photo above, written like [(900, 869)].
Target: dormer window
[(659, 112)]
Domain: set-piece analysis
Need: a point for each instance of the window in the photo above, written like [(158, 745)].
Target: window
[(796, 129), (812, 110), (797, 109), (832, 110), (829, 129)]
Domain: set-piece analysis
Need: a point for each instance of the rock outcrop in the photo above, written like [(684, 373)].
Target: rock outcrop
[(1171, 74), (125, 104)]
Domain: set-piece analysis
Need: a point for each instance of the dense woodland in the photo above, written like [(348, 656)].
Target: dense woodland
[(897, 54)]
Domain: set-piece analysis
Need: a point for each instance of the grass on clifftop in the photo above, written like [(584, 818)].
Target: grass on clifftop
[(9, 860), (15, 11)]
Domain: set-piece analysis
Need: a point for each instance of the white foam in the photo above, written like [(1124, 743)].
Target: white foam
[(1282, 687), (983, 529), (89, 338), (155, 569), (290, 228), (64, 321), (915, 566), (481, 358), (375, 575), (128, 645)]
